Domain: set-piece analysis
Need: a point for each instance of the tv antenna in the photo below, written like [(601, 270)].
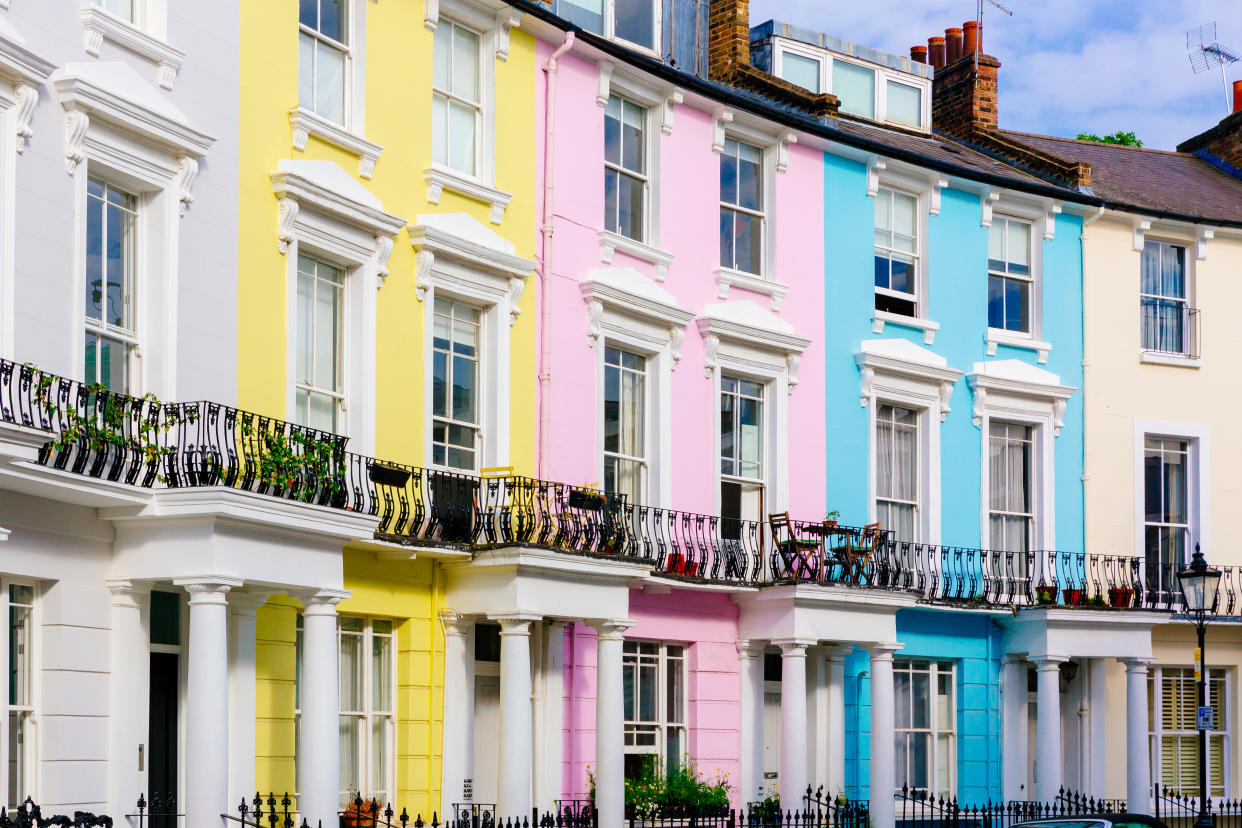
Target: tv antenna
[(979, 20), (1204, 51)]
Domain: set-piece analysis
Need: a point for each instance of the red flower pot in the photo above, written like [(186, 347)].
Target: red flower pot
[(1120, 597)]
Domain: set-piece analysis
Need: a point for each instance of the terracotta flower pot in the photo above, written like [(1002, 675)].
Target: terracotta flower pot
[(1120, 597), (1073, 597)]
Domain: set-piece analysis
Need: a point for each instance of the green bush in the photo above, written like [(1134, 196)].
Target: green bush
[(653, 793)]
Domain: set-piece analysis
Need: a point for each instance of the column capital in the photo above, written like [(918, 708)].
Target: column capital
[(208, 589), (247, 603), (1137, 664), (838, 652), (456, 623), (612, 629), (751, 647), (1015, 658), (515, 623), (794, 647), (883, 650), (323, 601), (128, 593), (1048, 662)]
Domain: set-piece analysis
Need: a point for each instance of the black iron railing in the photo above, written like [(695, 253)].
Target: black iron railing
[(918, 809), (142, 442), (30, 815)]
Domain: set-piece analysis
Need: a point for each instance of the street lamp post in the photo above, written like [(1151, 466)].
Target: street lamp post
[(1199, 583)]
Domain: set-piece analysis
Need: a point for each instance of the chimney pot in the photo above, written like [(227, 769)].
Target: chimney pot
[(918, 54), (935, 52), (952, 44), (972, 40), (1237, 96)]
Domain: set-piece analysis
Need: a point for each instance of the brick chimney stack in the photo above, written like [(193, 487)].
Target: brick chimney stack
[(728, 37), (1222, 144), (964, 96)]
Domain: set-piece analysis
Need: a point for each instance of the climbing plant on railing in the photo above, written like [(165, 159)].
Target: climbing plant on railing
[(308, 466)]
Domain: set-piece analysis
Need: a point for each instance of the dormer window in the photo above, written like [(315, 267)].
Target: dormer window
[(634, 22)]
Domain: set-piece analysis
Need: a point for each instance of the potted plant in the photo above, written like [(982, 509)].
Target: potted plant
[(1045, 595), (1120, 597), (1097, 601), (832, 517), (678, 565), (1072, 597), (360, 814)]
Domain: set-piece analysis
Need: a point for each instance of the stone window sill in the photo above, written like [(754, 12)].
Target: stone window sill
[(99, 25), (998, 337), (727, 277), (611, 242), (440, 179), (306, 123), (881, 318)]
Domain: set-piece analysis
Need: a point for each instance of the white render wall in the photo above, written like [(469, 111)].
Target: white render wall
[(45, 282)]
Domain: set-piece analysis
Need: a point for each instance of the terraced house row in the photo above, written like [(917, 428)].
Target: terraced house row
[(473, 403)]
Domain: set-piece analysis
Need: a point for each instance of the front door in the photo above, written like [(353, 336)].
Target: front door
[(486, 726), (162, 747)]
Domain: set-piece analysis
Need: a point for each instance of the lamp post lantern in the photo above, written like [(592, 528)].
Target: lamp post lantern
[(1199, 583)]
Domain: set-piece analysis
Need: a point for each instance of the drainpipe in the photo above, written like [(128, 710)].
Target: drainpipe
[(1086, 408), (545, 292)]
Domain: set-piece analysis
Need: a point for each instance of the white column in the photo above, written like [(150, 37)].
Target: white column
[(1097, 726), (1048, 727), (243, 623), (835, 780), (793, 778), (1014, 723), (130, 665), (750, 721), (457, 756), (513, 793), (553, 714), (1138, 769), (817, 716), (610, 722), (319, 732), (207, 702), (883, 769)]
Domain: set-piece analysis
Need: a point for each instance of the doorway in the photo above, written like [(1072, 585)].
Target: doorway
[(164, 710)]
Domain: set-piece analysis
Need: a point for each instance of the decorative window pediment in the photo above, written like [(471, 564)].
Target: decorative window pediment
[(1010, 386), (620, 299), (455, 250), (900, 365), (750, 334), (319, 201), (25, 72)]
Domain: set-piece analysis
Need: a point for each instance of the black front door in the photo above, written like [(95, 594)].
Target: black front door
[(162, 747)]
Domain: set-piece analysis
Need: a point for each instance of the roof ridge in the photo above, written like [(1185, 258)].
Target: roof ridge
[(1081, 142)]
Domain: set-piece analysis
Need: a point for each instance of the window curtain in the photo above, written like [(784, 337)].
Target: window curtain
[(897, 470), (1009, 477), (1164, 300)]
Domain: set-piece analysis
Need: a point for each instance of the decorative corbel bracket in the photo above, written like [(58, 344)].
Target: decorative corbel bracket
[(383, 250), (981, 401), (933, 200), (27, 98), (719, 124), (666, 110), (1050, 219), (676, 336), (866, 385), (1203, 235), (595, 318), (76, 124), (874, 167), (782, 151), (185, 183), (793, 361), (286, 215), (1058, 417), (1141, 226), (431, 14), (946, 394), (423, 262), (603, 82), (505, 20), (516, 286), (711, 354), (986, 202)]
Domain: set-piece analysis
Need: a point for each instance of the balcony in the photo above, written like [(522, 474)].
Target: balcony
[(143, 443)]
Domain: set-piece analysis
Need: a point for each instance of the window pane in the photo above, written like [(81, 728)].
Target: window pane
[(308, 12), (633, 151), (442, 58), (589, 14), (635, 21), (803, 71), (750, 177), (630, 207), (728, 173), (855, 86), (905, 104), (439, 129), (306, 71), (351, 753), (381, 673), (125, 10), (1019, 248), (1017, 305), (332, 19), (749, 233), (330, 82), (462, 137), (379, 760), (20, 742), (465, 63), (350, 670)]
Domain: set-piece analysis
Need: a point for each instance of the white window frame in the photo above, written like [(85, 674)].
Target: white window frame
[(481, 401), (934, 672), (324, 213), (627, 311), (1015, 392), (458, 258), (1155, 690), (921, 461), (342, 345), (883, 75), (145, 34), (642, 460), (1189, 261), (767, 443), (611, 80), (610, 28), (1042, 217), (367, 715), (1198, 480), (643, 176), (32, 759), (153, 155), (898, 372), (1033, 302), (492, 25), (662, 723), (127, 337)]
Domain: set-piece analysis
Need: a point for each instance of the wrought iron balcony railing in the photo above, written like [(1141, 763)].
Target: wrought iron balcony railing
[(142, 442)]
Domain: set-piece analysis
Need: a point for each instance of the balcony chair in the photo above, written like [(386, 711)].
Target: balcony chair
[(793, 558), (868, 541)]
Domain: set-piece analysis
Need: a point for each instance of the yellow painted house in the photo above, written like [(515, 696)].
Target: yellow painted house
[(383, 252)]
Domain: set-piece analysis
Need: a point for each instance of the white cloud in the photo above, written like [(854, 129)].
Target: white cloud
[(1068, 66)]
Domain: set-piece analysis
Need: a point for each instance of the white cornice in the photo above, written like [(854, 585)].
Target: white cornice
[(98, 25), (306, 123), (440, 241), (19, 65), (320, 196), (83, 96), (623, 291)]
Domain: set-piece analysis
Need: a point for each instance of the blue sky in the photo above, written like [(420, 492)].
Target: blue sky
[(1067, 66)]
